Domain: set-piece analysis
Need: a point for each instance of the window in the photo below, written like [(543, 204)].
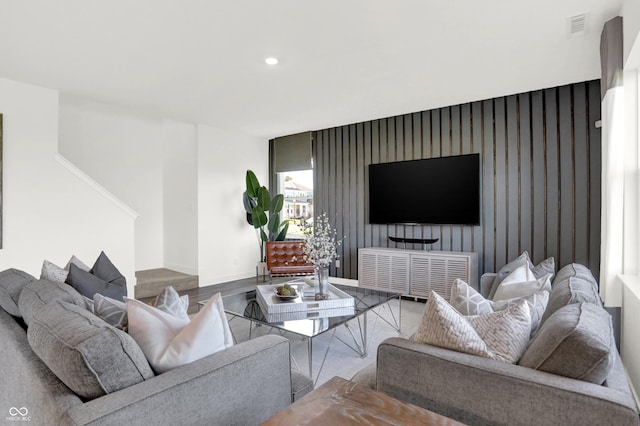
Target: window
[(297, 188)]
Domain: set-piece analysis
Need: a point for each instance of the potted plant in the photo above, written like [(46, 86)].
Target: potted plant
[(263, 212)]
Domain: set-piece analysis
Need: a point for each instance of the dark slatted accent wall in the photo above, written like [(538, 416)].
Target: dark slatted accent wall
[(540, 154)]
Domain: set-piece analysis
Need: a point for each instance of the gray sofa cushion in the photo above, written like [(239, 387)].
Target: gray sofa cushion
[(37, 294), (575, 270), (576, 341), (88, 284), (91, 357), (11, 283), (571, 290)]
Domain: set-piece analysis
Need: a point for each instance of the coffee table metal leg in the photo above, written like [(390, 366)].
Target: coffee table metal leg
[(360, 345)]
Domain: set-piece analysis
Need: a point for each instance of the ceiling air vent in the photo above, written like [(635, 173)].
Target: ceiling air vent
[(578, 25)]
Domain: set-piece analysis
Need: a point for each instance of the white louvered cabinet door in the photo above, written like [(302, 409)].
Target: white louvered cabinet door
[(383, 270), (415, 272)]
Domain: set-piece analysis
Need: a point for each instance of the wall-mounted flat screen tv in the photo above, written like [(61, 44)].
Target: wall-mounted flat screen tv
[(444, 190)]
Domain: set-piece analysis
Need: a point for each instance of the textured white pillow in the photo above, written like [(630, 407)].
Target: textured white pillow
[(169, 342), (443, 326), (501, 335), (519, 287), (53, 272)]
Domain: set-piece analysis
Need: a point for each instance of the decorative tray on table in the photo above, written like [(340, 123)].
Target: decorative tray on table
[(272, 304)]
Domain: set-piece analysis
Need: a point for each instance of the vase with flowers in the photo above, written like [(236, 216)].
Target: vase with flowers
[(320, 249)]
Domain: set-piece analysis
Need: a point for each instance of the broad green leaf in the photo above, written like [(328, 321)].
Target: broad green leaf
[(249, 203), (252, 184), (277, 203), (259, 217), (264, 200), (274, 223), (283, 234)]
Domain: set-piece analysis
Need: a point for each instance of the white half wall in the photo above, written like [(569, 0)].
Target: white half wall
[(228, 247), (180, 196), (123, 151), (48, 212)]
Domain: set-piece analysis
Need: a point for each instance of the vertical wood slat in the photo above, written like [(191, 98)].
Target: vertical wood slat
[(540, 176)]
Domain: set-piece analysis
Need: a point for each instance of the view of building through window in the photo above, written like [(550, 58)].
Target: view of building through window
[(297, 188)]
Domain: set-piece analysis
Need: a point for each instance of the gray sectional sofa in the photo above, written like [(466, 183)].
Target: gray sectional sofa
[(482, 391), (62, 365)]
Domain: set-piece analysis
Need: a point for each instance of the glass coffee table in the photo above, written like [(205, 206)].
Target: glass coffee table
[(317, 322)]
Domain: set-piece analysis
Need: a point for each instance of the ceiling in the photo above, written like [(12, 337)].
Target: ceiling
[(340, 61)]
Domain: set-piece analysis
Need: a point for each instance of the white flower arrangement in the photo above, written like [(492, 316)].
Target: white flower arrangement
[(320, 247)]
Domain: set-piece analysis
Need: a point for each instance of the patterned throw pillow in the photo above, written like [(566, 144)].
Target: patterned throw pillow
[(171, 302), (468, 301), (443, 326), (111, 311), (501, 335)]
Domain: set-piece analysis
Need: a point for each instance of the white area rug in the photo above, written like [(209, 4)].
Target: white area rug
[(340, 359)]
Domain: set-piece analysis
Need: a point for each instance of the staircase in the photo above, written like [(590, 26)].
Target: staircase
[(152, 282)]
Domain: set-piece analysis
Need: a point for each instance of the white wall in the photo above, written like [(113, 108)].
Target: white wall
[(180, 196), (123, 151), (48, 212), (227, 246), (630, 317)]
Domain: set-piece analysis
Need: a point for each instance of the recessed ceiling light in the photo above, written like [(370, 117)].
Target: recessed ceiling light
[(271, 61)]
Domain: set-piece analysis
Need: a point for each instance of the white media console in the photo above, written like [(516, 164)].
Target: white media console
[(415, 272)]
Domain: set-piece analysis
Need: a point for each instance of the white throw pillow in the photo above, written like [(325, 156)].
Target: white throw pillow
[(501, 335), (520, 274), (522, 283), (169, 342)]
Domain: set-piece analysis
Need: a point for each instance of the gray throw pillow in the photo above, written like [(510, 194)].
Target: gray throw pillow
[(88, 284), (576, 341), (12, 282), (37, 294), (568, 291), (547, 266), (89, 356), (105, 270)]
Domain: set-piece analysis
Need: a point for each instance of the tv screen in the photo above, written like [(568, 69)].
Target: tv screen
[(443, 190)]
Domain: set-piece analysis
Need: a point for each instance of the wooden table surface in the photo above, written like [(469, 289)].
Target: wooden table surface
[(341, 402)]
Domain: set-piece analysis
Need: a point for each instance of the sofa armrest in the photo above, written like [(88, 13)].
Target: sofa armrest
[(241, 385), (486, 281), (477, 390)]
